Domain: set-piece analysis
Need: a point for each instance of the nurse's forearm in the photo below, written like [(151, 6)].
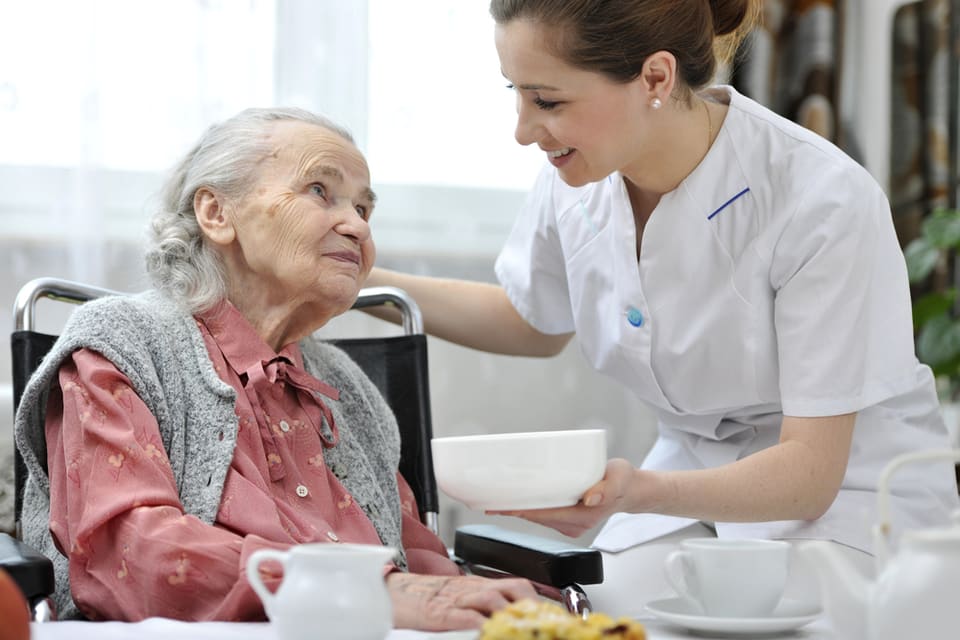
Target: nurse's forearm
[(797, 479), (473, 314), (768, 485)]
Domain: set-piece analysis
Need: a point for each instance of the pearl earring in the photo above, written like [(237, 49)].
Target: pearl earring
[(655, 103)]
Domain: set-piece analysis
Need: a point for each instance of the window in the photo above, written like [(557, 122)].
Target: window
[(99, 98), (440, 112), (126, 85)]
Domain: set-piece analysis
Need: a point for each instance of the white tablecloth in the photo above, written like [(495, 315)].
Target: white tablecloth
[(164, 629)]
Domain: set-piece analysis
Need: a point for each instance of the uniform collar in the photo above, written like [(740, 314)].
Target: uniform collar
[(718, 181)]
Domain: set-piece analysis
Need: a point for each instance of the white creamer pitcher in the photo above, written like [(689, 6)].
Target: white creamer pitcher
[(331, 591)]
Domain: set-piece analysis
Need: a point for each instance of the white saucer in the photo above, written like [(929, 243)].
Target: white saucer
[(790, 614)]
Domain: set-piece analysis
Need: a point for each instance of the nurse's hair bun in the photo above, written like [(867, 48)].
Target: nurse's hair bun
[(728, 15)]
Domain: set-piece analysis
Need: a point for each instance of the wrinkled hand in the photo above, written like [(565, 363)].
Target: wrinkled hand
[(596, 505), (445, 603)]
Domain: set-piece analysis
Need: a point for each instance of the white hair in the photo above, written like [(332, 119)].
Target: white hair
[(179, 260)]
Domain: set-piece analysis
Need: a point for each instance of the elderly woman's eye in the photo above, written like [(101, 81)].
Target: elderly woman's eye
[(319, 189), (362, 211)]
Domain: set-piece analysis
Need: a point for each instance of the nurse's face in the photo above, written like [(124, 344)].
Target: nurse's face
[(585, 123)]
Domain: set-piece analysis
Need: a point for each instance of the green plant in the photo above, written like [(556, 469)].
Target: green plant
[(935, 314)]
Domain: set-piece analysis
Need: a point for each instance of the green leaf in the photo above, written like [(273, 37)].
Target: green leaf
[(939, 342), (942, 228), (921, 257), (931, 305), (949, 370)]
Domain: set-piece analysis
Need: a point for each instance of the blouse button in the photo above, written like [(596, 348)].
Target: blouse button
[(302, 491), (634, 317), (284, 426), (333, 537)]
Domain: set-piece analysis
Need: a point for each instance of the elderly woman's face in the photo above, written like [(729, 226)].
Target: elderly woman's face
[(302, 232)]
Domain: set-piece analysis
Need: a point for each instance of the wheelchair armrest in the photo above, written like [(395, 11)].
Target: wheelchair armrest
[(31, 570), (541, 560)]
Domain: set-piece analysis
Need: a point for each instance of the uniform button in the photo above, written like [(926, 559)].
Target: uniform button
[(333, 537), (302, 491), (634, 317), (284, 426)]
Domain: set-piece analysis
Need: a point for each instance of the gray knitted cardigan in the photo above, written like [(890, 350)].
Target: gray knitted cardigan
[(160, 349)]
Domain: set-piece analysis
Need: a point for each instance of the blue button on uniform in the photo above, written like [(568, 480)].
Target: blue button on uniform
[(634, 317)]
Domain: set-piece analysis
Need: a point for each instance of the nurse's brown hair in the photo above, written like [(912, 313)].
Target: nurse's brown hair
[(615, 37)]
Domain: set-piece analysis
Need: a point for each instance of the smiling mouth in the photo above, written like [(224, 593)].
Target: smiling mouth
[(559, 153)]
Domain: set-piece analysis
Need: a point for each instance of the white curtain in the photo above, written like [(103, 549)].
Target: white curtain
[(97, 98)]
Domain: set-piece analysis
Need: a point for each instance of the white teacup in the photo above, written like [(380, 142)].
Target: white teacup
[(328, 590), (731, 578)]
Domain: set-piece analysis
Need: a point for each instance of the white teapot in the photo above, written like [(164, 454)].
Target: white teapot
[(916, 591), (329, 590)]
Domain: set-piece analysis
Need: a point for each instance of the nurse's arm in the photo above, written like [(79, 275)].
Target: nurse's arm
[(478, 315), (796, 479)]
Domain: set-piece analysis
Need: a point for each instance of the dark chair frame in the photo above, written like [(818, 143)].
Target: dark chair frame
[(397, 365)]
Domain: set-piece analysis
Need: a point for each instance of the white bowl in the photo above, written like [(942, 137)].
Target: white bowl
[(531, 470)]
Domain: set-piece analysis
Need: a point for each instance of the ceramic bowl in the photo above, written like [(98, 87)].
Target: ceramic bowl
[(529, 470)]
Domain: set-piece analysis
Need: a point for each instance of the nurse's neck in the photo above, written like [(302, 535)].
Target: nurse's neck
[(643, 202), (675, 148)]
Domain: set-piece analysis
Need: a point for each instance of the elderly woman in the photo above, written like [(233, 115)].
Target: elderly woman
[(188, 426)]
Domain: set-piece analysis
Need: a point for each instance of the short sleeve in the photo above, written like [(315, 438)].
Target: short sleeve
[(842, 309), (531, 266)]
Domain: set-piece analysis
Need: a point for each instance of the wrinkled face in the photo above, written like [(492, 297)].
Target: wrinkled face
[(585, 123), (302, 232)]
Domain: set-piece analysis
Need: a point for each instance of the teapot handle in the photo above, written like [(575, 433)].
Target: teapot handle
[(881, 531), (253, 573)]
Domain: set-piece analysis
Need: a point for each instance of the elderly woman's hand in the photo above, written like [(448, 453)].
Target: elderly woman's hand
[(621, 489), (444, 603)]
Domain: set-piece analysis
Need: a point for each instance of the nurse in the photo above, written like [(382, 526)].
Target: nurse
[(737, 272)]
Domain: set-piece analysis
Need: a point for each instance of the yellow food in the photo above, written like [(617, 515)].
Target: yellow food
[(539, 620)]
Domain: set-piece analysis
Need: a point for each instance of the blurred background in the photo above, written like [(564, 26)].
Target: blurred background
[(98, 98)]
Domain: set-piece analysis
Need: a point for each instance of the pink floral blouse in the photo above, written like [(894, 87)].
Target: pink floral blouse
[(114, 507)]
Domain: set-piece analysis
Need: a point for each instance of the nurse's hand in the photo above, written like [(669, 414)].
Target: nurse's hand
[(619, 490)]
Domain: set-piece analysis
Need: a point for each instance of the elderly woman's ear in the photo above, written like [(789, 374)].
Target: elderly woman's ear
[(209, 209)]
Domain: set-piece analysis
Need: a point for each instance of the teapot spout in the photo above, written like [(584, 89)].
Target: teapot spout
[(845, 592)]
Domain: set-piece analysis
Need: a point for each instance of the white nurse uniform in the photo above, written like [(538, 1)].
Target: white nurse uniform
[(770, 282)]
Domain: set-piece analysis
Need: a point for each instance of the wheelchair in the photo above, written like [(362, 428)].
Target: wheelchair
[(397, 365)]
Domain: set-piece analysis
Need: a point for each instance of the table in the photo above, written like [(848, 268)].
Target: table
[(165, 629)]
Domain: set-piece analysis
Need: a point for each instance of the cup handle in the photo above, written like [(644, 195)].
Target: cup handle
[(676, 568), (253, 573)]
